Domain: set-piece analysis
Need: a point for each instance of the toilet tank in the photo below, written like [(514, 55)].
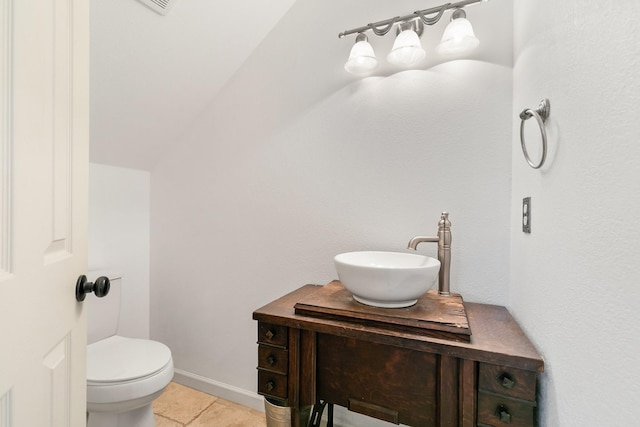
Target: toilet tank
[(103, 313)]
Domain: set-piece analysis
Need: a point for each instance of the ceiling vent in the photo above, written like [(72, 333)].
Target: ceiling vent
[(161, 6)]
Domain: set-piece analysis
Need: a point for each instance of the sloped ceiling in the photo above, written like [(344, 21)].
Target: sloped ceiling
[(152, 75)]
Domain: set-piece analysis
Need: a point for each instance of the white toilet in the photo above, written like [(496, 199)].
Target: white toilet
[(124, 375)]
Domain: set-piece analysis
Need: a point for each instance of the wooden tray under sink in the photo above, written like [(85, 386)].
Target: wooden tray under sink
[(433, 315)]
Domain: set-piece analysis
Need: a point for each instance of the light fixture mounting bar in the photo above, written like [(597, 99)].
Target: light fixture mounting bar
[(388, 23)]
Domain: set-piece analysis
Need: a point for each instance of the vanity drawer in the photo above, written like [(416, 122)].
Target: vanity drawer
[(273, 359), (507, 381), (272, 384), (272, 334), (495, 410)]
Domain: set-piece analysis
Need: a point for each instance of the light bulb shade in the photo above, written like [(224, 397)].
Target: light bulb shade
[(362, 59), (458, 38), (407, 49)]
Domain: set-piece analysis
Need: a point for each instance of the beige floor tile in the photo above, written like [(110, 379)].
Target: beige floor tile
[(228, 414), (182, 404), (166, 422)]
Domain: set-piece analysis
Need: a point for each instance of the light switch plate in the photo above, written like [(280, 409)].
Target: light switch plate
[(526, 215)]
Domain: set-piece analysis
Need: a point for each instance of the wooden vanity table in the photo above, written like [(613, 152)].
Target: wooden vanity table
[(395, 372)]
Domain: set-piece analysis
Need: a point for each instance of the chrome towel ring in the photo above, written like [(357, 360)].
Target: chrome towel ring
[(541, 114)]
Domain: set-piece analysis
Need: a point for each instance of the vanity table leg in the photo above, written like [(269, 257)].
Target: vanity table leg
[(300, 416), (448, 391), (307, 383), (468, 397), (294, 378), (316, 415)]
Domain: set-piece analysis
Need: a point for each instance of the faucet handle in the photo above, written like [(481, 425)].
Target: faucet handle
[(444, 220)]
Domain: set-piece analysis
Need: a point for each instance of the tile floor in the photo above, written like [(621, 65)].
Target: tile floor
[(181, 406)]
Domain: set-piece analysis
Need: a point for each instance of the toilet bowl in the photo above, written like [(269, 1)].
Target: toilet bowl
[(124, 375)]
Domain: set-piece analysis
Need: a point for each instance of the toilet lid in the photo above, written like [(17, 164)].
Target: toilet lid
[(118, 359)]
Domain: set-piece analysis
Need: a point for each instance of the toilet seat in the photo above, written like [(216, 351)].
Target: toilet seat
[(119, 359), (120, 368)]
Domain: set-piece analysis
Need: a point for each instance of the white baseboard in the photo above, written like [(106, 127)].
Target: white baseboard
[(342, 417), (220, 389)]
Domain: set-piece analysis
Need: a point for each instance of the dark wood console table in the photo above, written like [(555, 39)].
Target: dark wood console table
[(399, 376)]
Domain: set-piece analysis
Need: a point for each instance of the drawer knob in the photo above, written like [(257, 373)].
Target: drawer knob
[(270, 334), (271, 360), (271, 385), (506, 380), (503, 414)]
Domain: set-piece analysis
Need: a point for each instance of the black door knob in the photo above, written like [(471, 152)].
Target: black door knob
[(100, 287)]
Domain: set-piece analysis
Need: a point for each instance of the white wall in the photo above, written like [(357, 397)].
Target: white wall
[(152, 74), (574, 279), (296, 161), (119, 238)]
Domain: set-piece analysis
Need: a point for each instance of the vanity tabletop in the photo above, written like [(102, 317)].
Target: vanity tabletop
[(495, 336)]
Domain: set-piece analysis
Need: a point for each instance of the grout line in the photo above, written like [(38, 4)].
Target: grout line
[(170, 419), (201, 412)]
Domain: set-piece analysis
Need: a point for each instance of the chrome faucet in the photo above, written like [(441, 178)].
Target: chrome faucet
[(444, 251)]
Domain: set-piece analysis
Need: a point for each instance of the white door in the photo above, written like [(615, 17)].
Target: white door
[(44, 142)]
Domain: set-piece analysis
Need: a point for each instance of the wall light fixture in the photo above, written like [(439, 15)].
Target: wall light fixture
[(407, 49), (362, 59), (458, 37)]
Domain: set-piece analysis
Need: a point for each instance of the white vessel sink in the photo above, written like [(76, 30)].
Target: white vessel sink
[(386, 279)]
